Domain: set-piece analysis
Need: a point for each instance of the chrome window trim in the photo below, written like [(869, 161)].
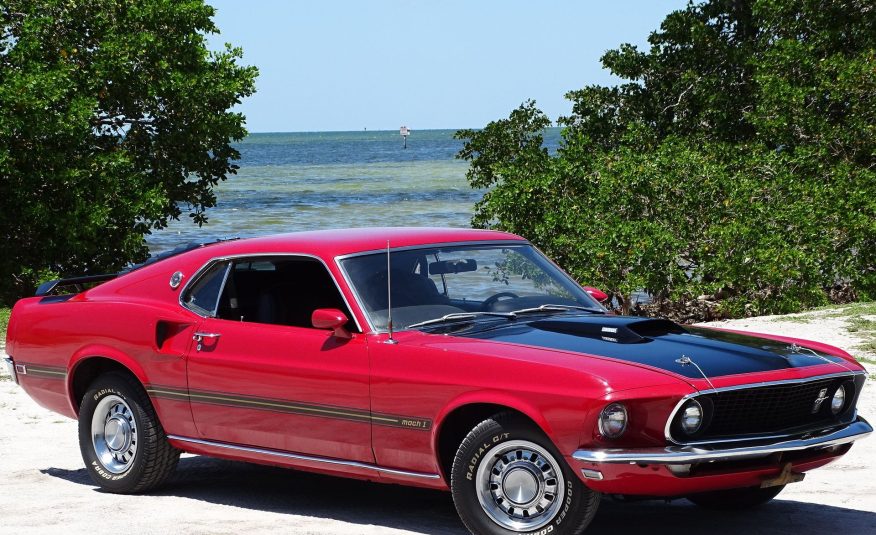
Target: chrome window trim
[(509, 242), (302, 457), (233, 257), (433, 245), (666, 429), (356, 296)]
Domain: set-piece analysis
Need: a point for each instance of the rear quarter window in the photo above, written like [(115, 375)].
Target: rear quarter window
[(203, 296)]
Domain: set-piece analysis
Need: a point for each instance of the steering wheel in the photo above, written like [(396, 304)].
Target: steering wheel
[(493, 299)]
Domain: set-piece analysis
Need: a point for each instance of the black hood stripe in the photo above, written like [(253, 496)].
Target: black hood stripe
[(657, 343)]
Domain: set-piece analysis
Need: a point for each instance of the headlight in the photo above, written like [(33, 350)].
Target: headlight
[(838, 401), (691, 417), (613, 420)]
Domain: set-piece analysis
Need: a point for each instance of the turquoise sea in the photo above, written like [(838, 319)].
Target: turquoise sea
[(318, 180)]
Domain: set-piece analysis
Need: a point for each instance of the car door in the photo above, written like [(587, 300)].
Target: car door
[(261, 376)]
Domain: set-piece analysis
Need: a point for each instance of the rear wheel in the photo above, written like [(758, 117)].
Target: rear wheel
[(122, 443), (735, 499), (508, 478)]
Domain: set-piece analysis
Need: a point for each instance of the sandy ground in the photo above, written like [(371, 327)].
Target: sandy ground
[(44, 487)]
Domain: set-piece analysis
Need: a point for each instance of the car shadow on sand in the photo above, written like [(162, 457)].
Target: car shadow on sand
[(431, 512)]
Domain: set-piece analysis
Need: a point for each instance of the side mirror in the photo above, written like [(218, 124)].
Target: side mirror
[(599, 295), (332, 319)]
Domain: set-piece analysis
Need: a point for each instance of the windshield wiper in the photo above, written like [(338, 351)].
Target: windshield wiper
[(556, 308), (462, 316), (509, 315)]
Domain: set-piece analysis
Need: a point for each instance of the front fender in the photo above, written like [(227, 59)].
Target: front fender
[(495, 397)]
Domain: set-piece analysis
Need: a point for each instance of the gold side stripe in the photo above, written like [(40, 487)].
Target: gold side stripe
[(303, 409), (167, 393), (47, 369), (278, 405), (243, 401), (44, 372), (35, 372)]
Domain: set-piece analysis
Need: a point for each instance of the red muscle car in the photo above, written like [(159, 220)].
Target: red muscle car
[(441, 358)]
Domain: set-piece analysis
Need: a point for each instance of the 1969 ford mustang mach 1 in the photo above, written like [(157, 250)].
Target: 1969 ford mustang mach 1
[(441, 358)]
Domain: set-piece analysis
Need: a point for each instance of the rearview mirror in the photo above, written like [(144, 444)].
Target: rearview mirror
[(332, 319), (599, 295), (443, 267)]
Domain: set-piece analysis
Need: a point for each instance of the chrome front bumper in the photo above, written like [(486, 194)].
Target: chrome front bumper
[(696, 454)]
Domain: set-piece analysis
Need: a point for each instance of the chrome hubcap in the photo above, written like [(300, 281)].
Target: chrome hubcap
[(117, 432), (114, 434), (520, 485)]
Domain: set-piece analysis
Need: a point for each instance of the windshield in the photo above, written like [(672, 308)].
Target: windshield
[(464, 281)]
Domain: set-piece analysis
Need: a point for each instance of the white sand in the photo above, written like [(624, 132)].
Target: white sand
[(45, 489)]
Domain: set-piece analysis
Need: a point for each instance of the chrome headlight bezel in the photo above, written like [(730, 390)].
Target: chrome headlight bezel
[(675, 427), (613, 415), (694, 407)]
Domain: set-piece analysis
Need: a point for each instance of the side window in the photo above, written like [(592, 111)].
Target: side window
[(279, 291), (203, 295)]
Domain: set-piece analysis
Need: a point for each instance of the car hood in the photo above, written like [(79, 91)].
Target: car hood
[(657, 343)]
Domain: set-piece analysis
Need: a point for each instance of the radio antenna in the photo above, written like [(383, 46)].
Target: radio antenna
[(389, 296)]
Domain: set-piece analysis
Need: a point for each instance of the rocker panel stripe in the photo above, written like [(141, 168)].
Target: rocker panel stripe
[(302, 457)]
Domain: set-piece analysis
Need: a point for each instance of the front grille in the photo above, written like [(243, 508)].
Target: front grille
[(766, 410)]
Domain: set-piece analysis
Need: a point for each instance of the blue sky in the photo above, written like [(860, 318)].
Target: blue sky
[(378, 64)]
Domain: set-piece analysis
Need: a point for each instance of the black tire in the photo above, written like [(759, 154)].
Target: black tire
[(735, 499), (151, 459), (480, 454)]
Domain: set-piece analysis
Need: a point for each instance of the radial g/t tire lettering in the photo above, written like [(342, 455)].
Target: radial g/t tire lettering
[(508, 478), (123, 445)]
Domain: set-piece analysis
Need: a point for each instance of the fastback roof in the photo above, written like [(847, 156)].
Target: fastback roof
[(331, 243)]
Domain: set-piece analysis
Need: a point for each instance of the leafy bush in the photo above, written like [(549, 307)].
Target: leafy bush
[(733, 173), (4, 322), (114, 118)]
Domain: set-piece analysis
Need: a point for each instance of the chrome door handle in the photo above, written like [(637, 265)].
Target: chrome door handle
[(199, 338)]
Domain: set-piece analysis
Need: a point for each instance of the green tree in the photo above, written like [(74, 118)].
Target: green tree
[(114, 119), (737, 161)]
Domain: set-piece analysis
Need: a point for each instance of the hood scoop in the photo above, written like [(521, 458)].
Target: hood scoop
[(614, 329)]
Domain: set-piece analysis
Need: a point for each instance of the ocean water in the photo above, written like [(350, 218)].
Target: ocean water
[(320, 180)]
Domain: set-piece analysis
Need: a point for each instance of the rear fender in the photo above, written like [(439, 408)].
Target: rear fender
[(102, 351), (17, 311)]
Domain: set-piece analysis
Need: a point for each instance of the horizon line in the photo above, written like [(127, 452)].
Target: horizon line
[(413, 130)]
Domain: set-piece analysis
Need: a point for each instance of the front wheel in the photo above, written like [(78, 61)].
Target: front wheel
[(122, 443), (735, 499), (507, 478)]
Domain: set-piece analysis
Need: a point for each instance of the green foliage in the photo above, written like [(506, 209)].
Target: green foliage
[(4, 322), (114, 118), (737, 161)]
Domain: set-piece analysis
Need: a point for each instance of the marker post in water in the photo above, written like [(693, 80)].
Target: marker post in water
[(405, 132)]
